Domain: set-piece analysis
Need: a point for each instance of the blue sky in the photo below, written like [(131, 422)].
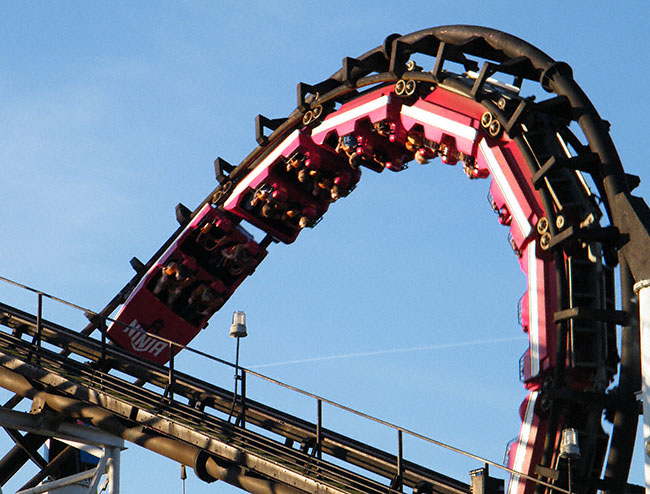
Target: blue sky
[(112, 112)]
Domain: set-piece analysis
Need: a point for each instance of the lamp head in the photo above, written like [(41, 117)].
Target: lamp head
[(569, 447), (238, 328)]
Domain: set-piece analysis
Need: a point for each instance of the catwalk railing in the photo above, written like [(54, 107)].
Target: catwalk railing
[(39, 360)]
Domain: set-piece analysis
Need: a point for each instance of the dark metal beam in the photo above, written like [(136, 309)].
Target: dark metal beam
[(26, 448)]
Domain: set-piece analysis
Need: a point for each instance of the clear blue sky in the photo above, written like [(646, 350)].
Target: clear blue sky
[(112, 112)]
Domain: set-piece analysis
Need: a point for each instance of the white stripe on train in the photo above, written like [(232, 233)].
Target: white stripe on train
[(352, 114), (503, 184), (522, 443), (241, 187), (533, 308), (443, 123)]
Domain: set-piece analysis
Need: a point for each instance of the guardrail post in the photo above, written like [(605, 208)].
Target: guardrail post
[(398, 484), (242, 412), (39, 321), (102, 328), (170, 378), (319, 428)]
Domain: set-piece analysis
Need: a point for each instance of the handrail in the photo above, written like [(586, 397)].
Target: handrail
[(320, 400)]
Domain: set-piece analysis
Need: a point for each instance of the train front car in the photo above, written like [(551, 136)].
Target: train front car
[(186, 285)]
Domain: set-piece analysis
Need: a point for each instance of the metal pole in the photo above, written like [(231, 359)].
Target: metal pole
[(236, 369), (642, 288), (242, 412), (39, 320), (102, 328), (400, 454), (50, 486), (114, 478), (171, 372), (102, 467), (234, 396), (319, 429)]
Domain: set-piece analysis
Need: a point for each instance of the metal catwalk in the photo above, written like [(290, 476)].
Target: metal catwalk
[(222, 436)]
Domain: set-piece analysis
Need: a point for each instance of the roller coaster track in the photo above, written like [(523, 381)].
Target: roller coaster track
[(543, 158)]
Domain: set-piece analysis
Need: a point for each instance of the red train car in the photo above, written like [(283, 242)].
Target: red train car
[(292, 187), (190, 281)]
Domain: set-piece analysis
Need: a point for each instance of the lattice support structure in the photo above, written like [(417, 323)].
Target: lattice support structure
[(105, 447)]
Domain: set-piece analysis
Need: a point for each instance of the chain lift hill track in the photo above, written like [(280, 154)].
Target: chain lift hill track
[(380, 111)]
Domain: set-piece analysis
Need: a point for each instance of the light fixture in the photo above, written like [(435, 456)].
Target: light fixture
[(238, 331), (238, 328), (569, 447)]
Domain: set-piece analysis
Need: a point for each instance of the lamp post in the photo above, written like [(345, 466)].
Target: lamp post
[(238, 331), (569, 449)]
